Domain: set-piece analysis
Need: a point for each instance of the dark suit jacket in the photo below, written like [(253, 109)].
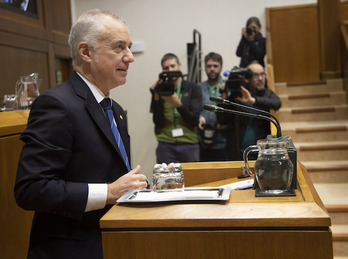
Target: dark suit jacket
[(68, 144)]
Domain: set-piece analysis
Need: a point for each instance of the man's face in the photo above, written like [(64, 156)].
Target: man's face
[(213, 70), (111, 59), (171, 65), (257, 82)]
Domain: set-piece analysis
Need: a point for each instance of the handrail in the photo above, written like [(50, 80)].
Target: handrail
[(344, 32), (271, 86)]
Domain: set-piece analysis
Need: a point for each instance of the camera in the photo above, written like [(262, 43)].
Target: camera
[(165, 85), (250, 30), (235, 80)]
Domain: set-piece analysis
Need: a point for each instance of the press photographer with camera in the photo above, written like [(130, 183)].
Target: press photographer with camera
[(176, 105), (252, 45), (211, 134), (245, 131)]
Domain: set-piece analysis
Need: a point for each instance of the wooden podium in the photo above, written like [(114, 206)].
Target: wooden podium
[(243, 227), (15, 223)]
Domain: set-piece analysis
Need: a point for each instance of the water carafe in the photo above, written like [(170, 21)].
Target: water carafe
[(27, 89), (273, 168)]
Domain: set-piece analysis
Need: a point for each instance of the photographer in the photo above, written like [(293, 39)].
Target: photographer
[(252, 46), (212, 139), (245, 131), (176, 115)]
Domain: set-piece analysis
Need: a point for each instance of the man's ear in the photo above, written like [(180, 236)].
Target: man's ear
[(84, 51)]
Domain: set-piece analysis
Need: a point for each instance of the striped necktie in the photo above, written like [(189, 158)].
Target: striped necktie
[(106, 104)]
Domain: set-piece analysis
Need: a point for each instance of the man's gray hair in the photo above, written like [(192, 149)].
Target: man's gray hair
[(88, 28)]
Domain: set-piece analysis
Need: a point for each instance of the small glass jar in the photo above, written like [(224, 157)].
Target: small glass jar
[(167, 176)]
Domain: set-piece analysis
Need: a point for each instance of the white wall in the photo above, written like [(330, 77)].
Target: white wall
[(167, 26)]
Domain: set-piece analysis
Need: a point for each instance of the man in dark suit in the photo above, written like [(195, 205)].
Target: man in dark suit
[(71, 168)]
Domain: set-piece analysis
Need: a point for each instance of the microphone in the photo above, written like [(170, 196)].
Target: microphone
[(214, 108), (220, 100), (226, 73)]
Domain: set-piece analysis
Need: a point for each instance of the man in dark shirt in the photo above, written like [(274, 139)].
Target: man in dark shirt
[(212, 136), (245, 131)]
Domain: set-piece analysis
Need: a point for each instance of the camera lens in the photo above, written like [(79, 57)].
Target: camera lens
[(250, 30)]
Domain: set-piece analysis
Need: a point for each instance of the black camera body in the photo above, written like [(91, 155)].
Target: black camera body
[(235, 81), (165, 85), (250, 30)]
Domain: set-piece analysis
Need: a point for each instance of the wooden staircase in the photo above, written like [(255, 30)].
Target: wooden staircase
[(316, 118)]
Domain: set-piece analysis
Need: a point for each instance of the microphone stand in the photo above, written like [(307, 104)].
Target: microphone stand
[(214, 108), (220, 100)]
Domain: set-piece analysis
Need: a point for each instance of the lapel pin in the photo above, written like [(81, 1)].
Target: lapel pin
[(121, 117)]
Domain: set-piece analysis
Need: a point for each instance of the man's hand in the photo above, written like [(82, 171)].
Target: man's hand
[(201, 123), (246, 97), (222, 87), (173, 99), (129, 181)]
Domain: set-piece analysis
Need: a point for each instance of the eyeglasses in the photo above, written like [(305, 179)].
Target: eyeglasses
[(257, 75)]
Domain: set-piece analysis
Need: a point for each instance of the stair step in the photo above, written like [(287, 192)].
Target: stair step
[(316, 117), (321, 113), (338, 214), (331, 85), (328, 171), (322, 151), (340, 249), (340, 244), (317, 166), (339, 232), (313, 99), (333, 194), (336, 202), (316, 131)]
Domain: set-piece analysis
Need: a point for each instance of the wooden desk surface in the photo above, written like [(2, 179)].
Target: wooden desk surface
[(12, 122), (243, 209)]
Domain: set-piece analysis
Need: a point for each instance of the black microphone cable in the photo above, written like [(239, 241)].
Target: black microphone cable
[(214, 108), (220, 100)]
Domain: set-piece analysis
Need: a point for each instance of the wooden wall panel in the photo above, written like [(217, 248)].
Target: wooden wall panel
[(61, 21), (35, 44), (344, 11), (24, 25), (26, 62), (329, 37), (294, 42)]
